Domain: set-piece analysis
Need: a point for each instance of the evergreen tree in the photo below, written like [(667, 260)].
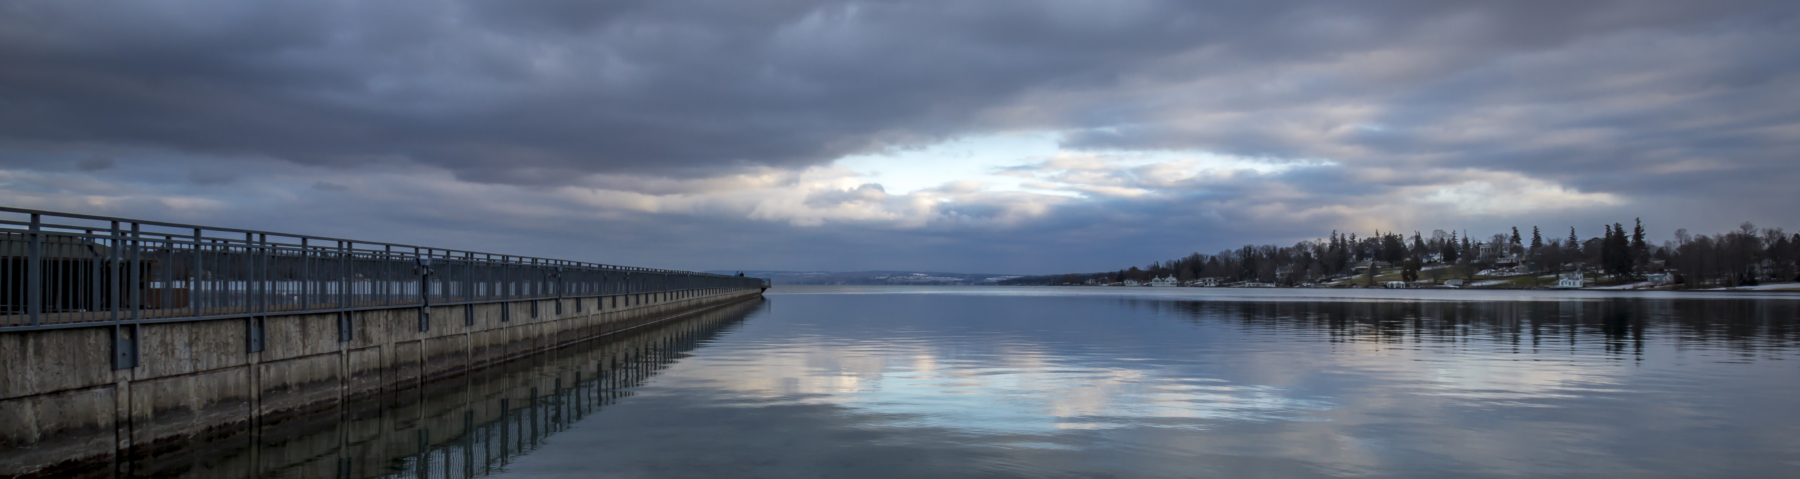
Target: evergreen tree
[(1537, 240), (1449, 251), (1606, 248), (1627, 256), (1574, 243), (1622, 260), (1639, 250), (1515, 236), (1393, 248), (1418, 247)]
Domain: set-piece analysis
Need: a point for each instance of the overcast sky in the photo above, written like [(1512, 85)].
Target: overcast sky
[(965, 136)]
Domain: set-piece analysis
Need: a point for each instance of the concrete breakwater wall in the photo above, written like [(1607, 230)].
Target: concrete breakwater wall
[(64, 408)]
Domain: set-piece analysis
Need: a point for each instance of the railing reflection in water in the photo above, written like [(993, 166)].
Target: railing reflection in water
[(460, 427)]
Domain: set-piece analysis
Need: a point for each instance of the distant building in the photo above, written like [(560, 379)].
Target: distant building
[(1763, 271), (1506, 261), (1165, 282), (1571, 280), (1362, 266), (1205, 282), (1133, 282)]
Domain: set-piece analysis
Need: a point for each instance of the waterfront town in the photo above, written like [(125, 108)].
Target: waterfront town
[(1749, 257)]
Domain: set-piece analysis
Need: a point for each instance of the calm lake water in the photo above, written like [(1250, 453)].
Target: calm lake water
[(1115, 382)]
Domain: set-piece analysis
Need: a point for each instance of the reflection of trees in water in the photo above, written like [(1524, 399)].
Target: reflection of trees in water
[(1622, 324), (462, 426)]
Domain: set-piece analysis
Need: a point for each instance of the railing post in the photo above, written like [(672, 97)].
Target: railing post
[(137, 273), (305, 276), (93, 299), (468, 289), (344, 296), (34, 271), (255, 287), (194, 279), (259, 274), (345, 328), (537, 287), (124, 347), (423, 268), (387, 261), (505, 289)]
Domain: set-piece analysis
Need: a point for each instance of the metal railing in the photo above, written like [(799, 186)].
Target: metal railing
[(60, 270)]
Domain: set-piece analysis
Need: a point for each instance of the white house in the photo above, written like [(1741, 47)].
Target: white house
[(1571, 281), (1165, 282), (1133, 282), (1205, 282)]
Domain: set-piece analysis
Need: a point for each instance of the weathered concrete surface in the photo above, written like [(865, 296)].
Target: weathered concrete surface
[(63, 408), (62, 432)]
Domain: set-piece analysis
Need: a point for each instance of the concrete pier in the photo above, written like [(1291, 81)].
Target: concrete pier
[(64, 407)]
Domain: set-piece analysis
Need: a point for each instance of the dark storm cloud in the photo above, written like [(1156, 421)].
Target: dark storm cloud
[(205, 176), (95, 163), (1391, 110), (532, 91), (519, 91)]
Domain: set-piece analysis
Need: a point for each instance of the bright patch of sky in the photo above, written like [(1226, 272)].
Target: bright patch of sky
[(983, 158), (977, 158)]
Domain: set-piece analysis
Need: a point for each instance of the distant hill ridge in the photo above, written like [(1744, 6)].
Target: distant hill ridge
[(875, 277)]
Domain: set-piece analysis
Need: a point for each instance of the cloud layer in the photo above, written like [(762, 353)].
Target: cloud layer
[(659, 128)]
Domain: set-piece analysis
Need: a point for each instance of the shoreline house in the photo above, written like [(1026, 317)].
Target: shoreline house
[(1571, 280), (1205, 282), (1133, 282), (1506, 262), (1361, 266), (1165, 282)]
